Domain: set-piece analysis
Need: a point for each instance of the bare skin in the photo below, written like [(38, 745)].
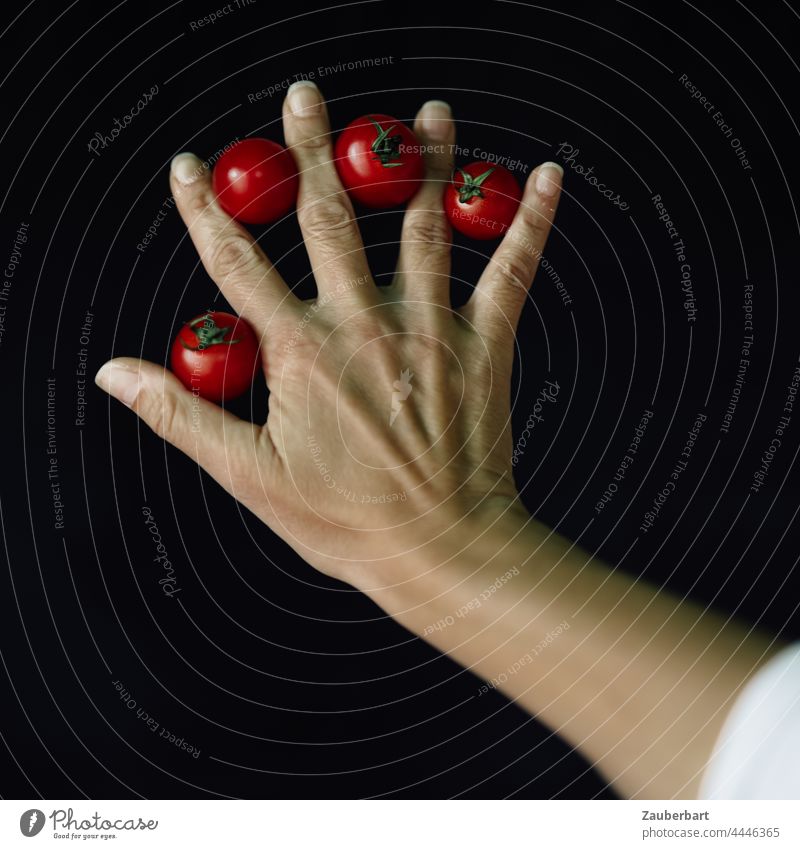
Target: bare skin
[(385, 461)]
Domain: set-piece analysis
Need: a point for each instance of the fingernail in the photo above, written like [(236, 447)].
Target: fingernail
[(435, 119), (304, 98), (186, 168), (119, 381), (548, 179)]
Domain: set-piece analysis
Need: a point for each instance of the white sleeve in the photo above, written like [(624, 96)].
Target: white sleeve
[(757, 755)]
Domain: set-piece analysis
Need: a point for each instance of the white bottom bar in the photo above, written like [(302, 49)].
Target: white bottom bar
[(387, 824)]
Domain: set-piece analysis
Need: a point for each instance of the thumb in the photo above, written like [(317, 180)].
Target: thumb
[(223, 444)]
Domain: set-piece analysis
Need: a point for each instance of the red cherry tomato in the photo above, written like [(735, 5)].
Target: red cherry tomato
[(215, 355), (379, 161), (481, 200), (255, 181)]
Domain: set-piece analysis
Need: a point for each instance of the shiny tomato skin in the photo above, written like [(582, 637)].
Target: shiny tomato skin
[(255, 181), (380, 179), (488, 213), (224, 366)]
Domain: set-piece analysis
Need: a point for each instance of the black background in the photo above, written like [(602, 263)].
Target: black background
[(290, 683)]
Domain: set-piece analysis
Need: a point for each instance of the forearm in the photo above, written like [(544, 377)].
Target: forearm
[(636, 679)]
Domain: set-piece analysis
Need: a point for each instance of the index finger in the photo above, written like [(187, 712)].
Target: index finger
[(241, 270)]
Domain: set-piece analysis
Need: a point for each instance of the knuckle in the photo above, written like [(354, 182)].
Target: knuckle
[(162, 414), (168, 422), (427, 225), (534, 225), (196, 198), (514, 270), (313, 142), (326, 219), (232, 255), (439, 167), (431, 350)]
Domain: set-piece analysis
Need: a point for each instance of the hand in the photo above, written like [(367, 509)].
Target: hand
[(387, 452), (389, 418)]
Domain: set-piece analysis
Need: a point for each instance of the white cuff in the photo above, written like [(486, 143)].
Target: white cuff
[(757, 755)]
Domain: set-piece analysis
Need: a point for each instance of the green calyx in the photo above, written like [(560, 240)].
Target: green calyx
[(207, 333), (385, 147), (471, 187)]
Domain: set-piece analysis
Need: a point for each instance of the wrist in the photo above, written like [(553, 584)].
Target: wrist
[(445, 563)]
